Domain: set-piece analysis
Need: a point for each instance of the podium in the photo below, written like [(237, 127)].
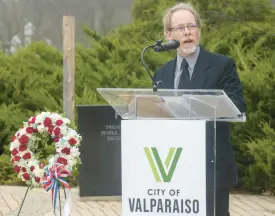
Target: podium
[(168, 148)]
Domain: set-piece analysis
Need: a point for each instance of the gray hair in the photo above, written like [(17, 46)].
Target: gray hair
[(179, 6)]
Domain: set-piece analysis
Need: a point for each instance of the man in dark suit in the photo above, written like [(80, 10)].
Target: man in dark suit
[(196, 68)]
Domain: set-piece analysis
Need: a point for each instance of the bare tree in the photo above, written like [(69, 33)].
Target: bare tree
[(45, 18)]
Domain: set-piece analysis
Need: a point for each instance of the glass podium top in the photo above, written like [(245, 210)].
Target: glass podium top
[(172, 104)]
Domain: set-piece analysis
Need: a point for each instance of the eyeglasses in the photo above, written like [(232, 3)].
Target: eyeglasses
[(181, 28)]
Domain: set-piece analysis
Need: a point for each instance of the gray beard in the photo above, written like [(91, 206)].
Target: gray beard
[(189, 51)]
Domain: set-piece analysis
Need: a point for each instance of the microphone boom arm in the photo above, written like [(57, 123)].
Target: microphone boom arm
[(155, 84)]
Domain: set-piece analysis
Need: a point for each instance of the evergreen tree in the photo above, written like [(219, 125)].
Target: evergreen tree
[(31, 80)]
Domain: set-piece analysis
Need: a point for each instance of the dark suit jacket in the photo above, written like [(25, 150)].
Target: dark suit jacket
[(213, 71)]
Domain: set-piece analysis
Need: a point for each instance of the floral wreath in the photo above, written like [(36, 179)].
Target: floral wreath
[(44, 129)]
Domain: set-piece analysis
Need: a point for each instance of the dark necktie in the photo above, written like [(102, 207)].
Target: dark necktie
[(185, 76)]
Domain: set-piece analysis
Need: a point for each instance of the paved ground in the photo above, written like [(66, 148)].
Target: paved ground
[(38, 203)]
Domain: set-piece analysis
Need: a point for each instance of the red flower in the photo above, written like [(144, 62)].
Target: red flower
[(26, 176), (14, 152), (50, 129), (62, 161), (23, 169), (37, 179), (16, 169), (13, 138), (32, 168), (17, 158), (47, 122), (22, 148), (56, 139), (56, 131), (59, 122), (72, 141), (23, 140), (30, 130), (27, 156), (66, 151), (33, 119)]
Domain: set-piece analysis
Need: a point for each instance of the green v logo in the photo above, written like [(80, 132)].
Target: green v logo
[(158, 167)]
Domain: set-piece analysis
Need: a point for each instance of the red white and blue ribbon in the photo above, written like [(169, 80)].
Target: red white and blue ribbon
[(54, 175)]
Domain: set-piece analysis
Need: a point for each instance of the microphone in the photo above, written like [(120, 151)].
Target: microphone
[(173, 44)]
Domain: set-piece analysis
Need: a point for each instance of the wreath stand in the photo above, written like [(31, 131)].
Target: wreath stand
[(22, 203)]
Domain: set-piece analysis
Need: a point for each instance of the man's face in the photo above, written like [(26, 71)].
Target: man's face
[(185, 30)]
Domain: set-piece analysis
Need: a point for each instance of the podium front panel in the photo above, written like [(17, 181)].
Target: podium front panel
[(167, 168)]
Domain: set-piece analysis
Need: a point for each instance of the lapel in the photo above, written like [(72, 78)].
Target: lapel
[(200, 73), (168, 82)]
